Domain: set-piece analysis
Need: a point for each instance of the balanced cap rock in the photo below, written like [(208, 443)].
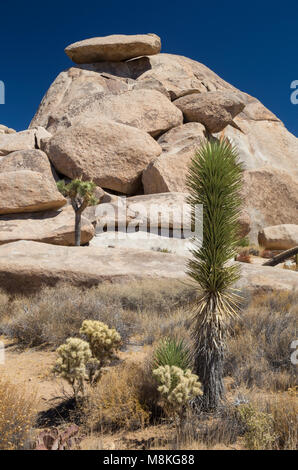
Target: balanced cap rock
[(114, 48)]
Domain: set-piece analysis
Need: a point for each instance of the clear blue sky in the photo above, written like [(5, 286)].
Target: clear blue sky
[(253, 44)]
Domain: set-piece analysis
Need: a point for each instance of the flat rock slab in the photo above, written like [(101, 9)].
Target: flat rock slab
[(25, 266), (117, 47), (56, 227), (265, 278)]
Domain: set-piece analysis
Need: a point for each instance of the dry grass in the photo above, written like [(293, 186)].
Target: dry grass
[(258, 352), (53, 315), (257, 364), (17, 413), (123, 399)]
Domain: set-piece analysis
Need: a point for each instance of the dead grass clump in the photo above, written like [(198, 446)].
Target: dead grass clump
[(53, 315), (258, 352), (121, 400), (4, 307), (17, 412), (284, 411)]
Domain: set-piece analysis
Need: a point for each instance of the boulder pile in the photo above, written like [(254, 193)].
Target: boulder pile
[(130, 118)]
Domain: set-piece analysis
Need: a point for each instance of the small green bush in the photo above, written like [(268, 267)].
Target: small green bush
[(259, 433)]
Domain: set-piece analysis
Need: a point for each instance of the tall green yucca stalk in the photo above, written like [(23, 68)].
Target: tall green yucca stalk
[(214, 180)]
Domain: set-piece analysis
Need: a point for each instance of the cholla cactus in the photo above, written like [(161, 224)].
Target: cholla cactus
[(103, 341), (71, 364), (176, 386)]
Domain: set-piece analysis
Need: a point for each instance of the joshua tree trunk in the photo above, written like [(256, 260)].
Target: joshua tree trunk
[(209, 368), (209, 356), (78, 228)]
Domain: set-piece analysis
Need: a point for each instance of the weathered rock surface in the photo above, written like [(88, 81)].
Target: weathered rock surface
[(165, 210), (6, 130), (179, 75), (112, 155), (215, 109), (256, 278), (145, 109), (112, 215), (279, 237), (34, 160), (55, 227), (270, 195), (24, 140), (168, 172), (28, 191), (28, 265), (117, 47), (74, 84), (168, 211), (142, 240), (264, 142), (270, 198), (175, 75)]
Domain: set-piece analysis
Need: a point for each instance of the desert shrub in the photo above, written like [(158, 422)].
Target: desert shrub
[(80, 360), (259, 434), (17, 413), (52, 316), (271, 423), (283, 409), (103, 342), (120, 400), (71, 363), (176, 386), (258, 353), (172, 352), (55, 314)]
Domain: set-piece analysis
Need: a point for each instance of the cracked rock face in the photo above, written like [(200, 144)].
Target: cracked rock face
[(215, 110), (110, 154)]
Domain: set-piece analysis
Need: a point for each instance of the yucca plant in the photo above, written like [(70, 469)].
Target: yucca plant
[(214, 180), (81, 194), (172, 352)]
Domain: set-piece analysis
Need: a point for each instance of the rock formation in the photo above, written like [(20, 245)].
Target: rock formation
[(279, 237), (130, 118)]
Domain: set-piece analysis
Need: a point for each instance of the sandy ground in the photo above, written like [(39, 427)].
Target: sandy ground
[(32, 368)]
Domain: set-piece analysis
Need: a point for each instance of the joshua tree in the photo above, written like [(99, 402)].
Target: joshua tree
[(214, 180), (81, 194)]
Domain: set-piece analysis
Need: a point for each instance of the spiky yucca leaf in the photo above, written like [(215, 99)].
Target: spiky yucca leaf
[(172, 352), (214, 180)]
